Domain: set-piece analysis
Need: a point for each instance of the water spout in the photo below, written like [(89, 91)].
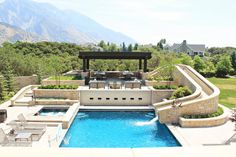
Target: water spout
[(148, 122)]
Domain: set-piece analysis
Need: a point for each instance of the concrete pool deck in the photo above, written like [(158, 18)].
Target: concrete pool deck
[(204, 136), (217, 151)]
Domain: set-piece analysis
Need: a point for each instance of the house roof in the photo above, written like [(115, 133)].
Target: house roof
[(194, 47)]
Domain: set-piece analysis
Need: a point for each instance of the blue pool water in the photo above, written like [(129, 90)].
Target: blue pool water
[(52, 111), (92, 129)]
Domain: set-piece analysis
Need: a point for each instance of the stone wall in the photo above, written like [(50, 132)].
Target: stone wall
[(206, 103), (46, 82), (203, 122), (159, 95), (56, 93)]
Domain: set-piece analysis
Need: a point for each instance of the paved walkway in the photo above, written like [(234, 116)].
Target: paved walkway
[(217, 151), (217, 135)]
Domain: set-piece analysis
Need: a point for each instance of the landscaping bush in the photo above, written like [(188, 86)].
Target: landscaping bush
[(164, 87), (181, 92), (58, 87), (215, 114)]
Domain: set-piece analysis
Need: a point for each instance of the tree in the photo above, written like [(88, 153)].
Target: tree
[(199, 64), (160, 44), (224, 66), (124, 47), (8, 75), (187, 60), (130, 48), (3, 90), (102, 44), (136, 46), (57, 65), (210, 69), (233, 60)]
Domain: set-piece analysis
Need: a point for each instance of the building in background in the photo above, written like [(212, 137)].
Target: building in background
[(190, 49)]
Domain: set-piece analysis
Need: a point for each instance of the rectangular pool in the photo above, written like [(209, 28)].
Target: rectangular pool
[(108, 129)]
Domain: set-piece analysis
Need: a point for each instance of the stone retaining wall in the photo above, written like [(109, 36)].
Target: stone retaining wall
[(20, 93), (203, 122), (46, 82), (204, 104), (56, 93), (159, 95)]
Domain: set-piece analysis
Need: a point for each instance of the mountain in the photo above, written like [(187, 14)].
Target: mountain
[(54, 24), (12, 34)]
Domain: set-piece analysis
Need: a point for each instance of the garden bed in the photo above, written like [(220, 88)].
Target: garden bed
[(209, 120)]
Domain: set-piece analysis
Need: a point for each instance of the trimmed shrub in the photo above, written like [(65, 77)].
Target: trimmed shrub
[(58, 87), (181, 92), (165, 87), (219, 112)]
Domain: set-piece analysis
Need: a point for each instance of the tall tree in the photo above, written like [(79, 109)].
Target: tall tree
[(130, 48), (233, 60), (124, 47), (3, 90), (8, 75), (136, 46), (224, 66), (199, 64), (160, 44)]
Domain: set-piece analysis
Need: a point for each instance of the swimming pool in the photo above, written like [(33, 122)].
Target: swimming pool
[(52, 111), (108, 129)]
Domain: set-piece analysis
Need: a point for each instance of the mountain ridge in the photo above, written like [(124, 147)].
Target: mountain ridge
[(9, 33), (53, 24)]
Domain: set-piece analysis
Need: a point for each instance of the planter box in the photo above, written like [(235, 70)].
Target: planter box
[(203, 122), (71, 94)]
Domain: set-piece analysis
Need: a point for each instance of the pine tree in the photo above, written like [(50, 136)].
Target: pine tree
[(136, 46), (3, 90), (8, 75), (124, 47), (130, 48), (233, 60)]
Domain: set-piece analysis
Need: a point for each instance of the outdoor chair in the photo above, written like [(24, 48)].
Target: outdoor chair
[(23, 126), (6, 140)]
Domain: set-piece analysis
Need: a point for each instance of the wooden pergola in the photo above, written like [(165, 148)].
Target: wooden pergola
[(141, 56)]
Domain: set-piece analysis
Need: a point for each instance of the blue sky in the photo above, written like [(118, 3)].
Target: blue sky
[(210, 22)]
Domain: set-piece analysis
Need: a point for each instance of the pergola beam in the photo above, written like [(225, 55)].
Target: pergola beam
[(86, 56)]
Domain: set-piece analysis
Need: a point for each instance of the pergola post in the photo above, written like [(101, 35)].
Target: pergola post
[(140, 64), (84, 65), (87, 64), (145, 65)]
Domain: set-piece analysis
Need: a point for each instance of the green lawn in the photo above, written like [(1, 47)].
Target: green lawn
[(65, 78), (227, 88)]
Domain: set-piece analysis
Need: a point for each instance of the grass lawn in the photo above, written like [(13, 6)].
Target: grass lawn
[(65, 78), (227, 88)]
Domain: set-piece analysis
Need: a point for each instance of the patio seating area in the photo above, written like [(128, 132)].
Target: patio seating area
[(115, 84)]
